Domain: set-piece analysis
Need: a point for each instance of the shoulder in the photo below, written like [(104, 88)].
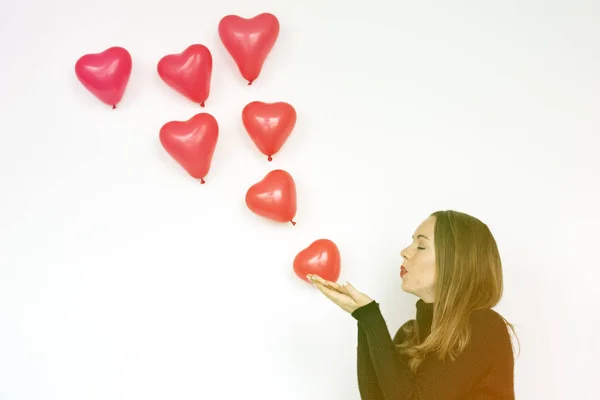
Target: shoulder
[(489, 330), (487, 320), (400, 333)]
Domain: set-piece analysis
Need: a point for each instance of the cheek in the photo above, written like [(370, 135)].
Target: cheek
[(425, 277), (417, 279), (430, 277)]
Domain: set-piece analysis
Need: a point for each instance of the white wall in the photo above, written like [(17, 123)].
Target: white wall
[(123, 278)]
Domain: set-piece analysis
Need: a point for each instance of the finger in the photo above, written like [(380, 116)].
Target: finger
[(333, 295), (350, 289), (322, 287), (352, 292), (326, 283), (342, 300), (326, 291), (336, 286), (315, 278)]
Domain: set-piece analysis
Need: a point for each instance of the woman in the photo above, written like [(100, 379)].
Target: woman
[(457, 347)]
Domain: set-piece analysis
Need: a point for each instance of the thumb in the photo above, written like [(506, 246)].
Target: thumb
[(350, 289)]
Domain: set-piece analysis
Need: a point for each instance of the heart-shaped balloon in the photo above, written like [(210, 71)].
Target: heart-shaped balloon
[(189, 72), (269, 125), (321, 257), (274, 197), (192, 143), (105, 74), (249, 41)]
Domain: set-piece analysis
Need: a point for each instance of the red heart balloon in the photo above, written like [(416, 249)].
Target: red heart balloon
[(249, 41), (192, 143), (269, 125), (274, 197), (105, 74), (189, 72), (321, 258)]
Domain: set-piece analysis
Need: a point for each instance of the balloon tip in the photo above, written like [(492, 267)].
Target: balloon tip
[(249, 83), (202, 104), (293, 223), (114, 106), (202, 181), (270, 158)]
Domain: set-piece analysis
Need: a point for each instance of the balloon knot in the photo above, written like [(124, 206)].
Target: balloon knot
[(270, 158), (293, 223), (114, 106), (202, 181), (249, 83), (202, 104)]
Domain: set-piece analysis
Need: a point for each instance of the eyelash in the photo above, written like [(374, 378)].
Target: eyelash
[(421, 248)]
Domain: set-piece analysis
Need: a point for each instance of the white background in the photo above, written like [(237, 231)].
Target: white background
[(123, 278)]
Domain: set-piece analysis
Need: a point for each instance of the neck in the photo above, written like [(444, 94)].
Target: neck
[(424, 318), (428, 298)]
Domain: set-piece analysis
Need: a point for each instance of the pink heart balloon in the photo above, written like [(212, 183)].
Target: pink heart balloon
[(188, 72), (249, 41), (321, 257), (105, 74), (192, 143)]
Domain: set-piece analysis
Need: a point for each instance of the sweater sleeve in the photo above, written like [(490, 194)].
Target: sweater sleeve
[(435, 379), (367, 378)]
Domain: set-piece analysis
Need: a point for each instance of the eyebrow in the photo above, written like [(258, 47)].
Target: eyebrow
[(419, 235)]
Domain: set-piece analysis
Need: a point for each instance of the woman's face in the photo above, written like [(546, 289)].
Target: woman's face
[(418, 269)]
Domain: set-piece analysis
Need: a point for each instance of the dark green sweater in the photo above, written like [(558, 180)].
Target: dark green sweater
[(483, 371)]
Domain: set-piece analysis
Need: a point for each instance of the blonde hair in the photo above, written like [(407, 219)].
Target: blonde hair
[(468, 278)]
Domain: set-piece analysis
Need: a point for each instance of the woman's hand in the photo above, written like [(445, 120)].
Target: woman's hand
[(345, 296)]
